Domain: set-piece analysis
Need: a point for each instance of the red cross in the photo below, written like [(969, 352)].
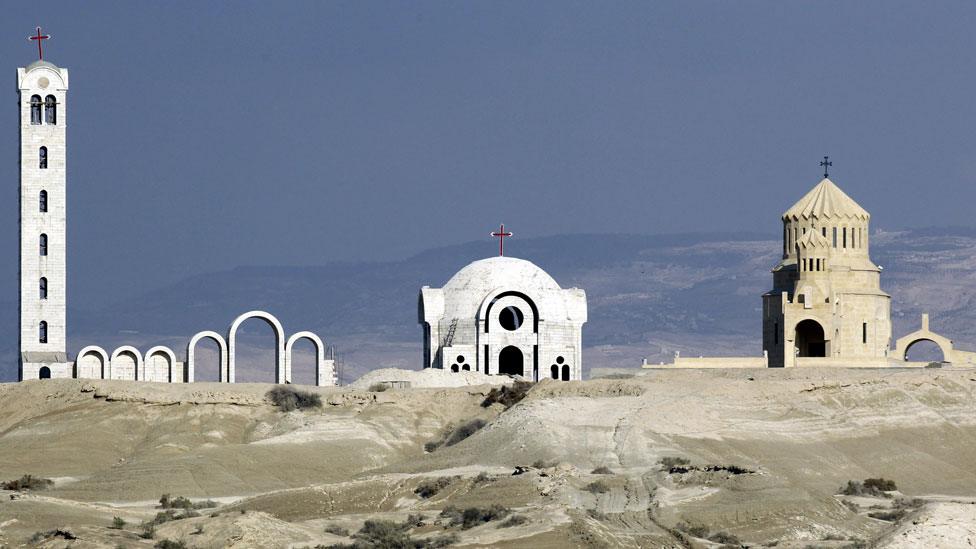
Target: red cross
[(39, 37), (501, 235)]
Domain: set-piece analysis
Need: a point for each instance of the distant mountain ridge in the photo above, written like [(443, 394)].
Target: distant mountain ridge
[(648, 295)]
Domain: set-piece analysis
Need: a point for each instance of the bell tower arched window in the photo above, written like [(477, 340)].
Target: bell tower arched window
[(43, 244), (42, 332), (43, 288), (35, 109), (42, 158), (42, 199), (50, 110)]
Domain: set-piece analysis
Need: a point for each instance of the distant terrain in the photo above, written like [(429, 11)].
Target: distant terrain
[(649, 296), (693, 459)]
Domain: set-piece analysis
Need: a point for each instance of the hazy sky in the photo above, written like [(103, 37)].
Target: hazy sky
[(207, 135)]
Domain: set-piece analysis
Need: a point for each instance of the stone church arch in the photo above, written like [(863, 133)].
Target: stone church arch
[(903, 344), (221, 357), (511, 361), (319, 355), (91, 363), (809, 339), (946, 352), (279, 334), (126, 363), (159, 364)]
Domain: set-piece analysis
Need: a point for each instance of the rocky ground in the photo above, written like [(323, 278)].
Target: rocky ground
[(688, 458)]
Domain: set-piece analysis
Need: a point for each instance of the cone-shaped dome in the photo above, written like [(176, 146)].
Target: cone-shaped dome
[(826, 200)]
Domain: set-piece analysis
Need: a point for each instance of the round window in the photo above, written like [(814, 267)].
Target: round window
[(560, 360), (511, 318), (460, 359)]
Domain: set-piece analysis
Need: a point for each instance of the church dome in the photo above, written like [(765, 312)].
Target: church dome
[(465, 292), (825, 201), (41, 63)]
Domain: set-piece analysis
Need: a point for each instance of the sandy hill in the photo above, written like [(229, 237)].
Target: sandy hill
[(767, 454)]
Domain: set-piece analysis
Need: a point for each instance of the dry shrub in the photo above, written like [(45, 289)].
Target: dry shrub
[(507, 395), (670, 462), (601, 470), (288, 398), (870, 487), (474, 516), (429, 488), (27, 482), (597, 487), (464, 431)]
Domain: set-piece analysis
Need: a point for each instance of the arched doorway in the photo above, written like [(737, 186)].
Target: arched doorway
[(45, 373), (511, 361), (809, 339)]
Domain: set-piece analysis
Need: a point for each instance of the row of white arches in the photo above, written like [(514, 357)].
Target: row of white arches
[(160, 362)]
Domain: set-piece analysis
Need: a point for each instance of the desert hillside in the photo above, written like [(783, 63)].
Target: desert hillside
[(670, 459)]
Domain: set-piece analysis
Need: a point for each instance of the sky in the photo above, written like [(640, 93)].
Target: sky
[(203, 136)]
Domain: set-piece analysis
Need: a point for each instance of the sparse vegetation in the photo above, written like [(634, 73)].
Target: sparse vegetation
[(148, 531), (670, 462), (180, 502), (464, 431), (507, 395), (474, 516), (891, 515), (694, 530), (541, 464), (337, 530), (118, 523), (514, 520), (170, 544), (63, 533), (601, 470), (430, 487), (289, 398), (27, 482), (198, 531), (597, 487), (432, 445), (386, 534), (876, 487), (724, 538), (482, 478), (378, 387)]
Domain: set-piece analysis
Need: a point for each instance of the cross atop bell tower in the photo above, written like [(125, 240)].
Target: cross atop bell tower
[(40, 38)]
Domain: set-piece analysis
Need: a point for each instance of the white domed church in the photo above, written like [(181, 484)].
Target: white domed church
[(504, 316)]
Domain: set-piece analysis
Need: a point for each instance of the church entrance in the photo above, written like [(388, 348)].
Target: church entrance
[(511, 361), (45, 373), (809, 339)]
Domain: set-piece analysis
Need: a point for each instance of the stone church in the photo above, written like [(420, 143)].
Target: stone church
[(504, 316), (826, 304)]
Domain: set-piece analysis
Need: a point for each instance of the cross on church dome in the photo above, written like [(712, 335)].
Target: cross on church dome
[(501, 235)]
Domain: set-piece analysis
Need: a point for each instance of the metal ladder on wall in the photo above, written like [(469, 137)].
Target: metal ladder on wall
[(449, 338)]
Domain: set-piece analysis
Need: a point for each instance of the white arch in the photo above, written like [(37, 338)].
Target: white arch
[(102, 354), (221, 358), (170, 355), (324, 369), (279, 333), (140, 372)]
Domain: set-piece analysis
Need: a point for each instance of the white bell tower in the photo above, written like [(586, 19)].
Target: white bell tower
[(43, 89)]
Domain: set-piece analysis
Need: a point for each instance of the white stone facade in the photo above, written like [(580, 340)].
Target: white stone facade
[(826, 300), (504, 316), (43, 90)]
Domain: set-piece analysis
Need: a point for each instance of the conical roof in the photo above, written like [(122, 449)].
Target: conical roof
[(826, 200)]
